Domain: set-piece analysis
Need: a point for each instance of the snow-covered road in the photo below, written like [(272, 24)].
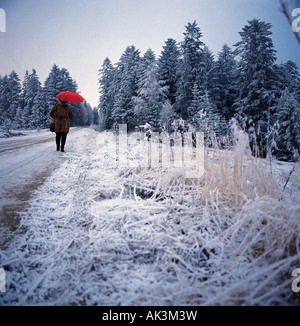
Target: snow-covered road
[(97, 233), (25, 162), (14, 143)]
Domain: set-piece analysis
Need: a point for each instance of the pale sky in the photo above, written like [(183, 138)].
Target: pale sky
[(80, 34)]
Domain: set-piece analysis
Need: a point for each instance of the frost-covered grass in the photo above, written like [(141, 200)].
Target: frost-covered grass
[(237, 233), (99, 235)]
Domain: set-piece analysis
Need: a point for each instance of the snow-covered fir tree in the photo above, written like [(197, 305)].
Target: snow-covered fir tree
[(168, 68), (126, 87), (206, 75), (150, 96), (46, 98), (96, 116), (31, 89), (23, 119), (88, 116), (289, 77), (287, 126), (107, 94), (39, 117), (201, 90), (14, 97), (204, 117), (53, 86), (59, 80), (4, 100), (202, 111), (256, 80), (189, 67), (66, 82), (226, 74), (28, 106), (195, 116)]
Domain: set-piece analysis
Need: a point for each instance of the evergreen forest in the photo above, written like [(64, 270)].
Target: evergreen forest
[(189, 88)]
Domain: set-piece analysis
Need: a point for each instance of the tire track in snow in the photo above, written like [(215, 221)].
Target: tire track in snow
[(23, 162), (17, 144)]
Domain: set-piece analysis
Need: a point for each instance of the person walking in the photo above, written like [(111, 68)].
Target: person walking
[(61, 114)]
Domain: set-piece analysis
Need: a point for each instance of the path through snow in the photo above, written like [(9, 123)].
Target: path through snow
[(25, 162)]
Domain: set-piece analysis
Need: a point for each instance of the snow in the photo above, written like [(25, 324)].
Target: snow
[(101, 232), (25, 162)]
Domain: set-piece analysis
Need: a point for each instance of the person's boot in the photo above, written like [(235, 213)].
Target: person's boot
[(63, 141)]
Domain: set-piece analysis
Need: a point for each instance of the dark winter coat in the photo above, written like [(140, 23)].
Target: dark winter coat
[(61, 114)]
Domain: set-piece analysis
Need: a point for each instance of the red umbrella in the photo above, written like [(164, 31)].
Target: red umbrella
[(70, 97)]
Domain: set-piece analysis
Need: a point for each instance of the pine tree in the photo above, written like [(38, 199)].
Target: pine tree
[(206, 74), (202, 111), (189, 68), (256, 80), (14, 98), (87, 114), (205, 118), (287, 116), (28, 106), (4, 100), (53, 86), (107, 94), (38, 118), (167, 69), (289, 77), (151, 96), (22, 117), (31, 88), (66, 82), (58, 80), (195, 108), (126, 86), (96, 116), (226, 74)]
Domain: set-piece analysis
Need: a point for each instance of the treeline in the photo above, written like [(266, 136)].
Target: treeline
[(27, 105), (188, 87)]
